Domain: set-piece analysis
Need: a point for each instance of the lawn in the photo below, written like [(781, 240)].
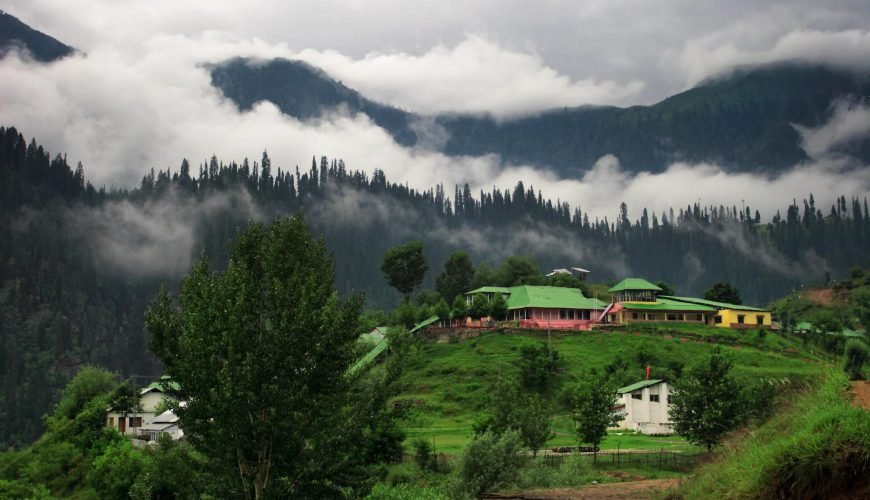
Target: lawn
[(448, 384)]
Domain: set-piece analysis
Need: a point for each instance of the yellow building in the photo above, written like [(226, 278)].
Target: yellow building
[(732, 315)]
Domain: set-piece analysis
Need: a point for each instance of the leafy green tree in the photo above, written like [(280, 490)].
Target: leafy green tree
[(669, 290), (537, 363), (706, 401), (260, 352), (498, 307), (405, 315), (488, 461), (854, 356), (88, 383), (723, 292), (404, 266), (456, 277), (518, 271), (479, 306), (594, 399), (459, 310), (115, 471), (534, 424), (442, 310)]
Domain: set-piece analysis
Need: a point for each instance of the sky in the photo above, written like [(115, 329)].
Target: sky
[(139, 97)]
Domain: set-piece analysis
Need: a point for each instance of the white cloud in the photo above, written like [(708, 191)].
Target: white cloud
[(711, 55), (476, 75), (849, 122)]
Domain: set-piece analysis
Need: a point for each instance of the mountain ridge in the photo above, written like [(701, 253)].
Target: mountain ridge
[(743, 122), (16, 34)]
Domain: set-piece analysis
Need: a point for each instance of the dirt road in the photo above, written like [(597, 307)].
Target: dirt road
[(861, 393)]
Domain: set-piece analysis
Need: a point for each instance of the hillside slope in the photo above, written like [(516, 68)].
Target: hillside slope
[(744, 121), (817, 448), (16, 34), (449, 385)]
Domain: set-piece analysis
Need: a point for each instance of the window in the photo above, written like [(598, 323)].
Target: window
[(111, 421), (759, 319), (634, 316), (654, 398), (135, 422), (699, 317), (674, 317), (636, 395), (741, 318), (717, 319)]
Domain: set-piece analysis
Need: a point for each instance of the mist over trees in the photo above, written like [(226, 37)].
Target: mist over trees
[(77, 278)]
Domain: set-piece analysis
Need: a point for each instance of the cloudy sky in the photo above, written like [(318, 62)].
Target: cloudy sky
[(140, 99)]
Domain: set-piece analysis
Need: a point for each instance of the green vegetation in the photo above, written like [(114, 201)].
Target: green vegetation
[(594, 399), (819, 447), (723, 292), (855, 356), (404, 266), (449, 386), (706, 401)]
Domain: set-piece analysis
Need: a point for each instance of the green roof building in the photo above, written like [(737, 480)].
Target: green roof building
[(545, 306)]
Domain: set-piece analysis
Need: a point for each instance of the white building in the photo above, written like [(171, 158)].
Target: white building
[(165, 424), (644, 407), (149, 399)]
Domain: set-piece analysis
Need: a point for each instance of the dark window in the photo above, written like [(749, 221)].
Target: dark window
[(135, 422), (717, 319), (674, 317), (741, 318), (636, 395), (634, 315), (759, 319), (654, 398)]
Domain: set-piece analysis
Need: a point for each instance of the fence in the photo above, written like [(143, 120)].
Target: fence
[(660, 459)]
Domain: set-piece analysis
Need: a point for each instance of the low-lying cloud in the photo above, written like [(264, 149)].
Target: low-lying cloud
[(474, 76)]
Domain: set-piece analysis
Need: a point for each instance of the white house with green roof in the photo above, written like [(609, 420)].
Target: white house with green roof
[(542, 307), (644, 407), (148, 401)]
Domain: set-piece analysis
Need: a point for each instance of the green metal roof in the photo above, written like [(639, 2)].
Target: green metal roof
[(717, 305), (664, 304), (489, 289), (551, 297), (376, 351), (634, 284), (423, 324), (638, 385), (803, 325), (374, 336), (162, 385)]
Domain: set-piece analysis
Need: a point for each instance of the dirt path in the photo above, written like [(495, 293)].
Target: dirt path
[(819, 296), (861, 393), (647, 488)]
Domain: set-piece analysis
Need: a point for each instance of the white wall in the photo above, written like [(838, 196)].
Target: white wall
[(646, 416)]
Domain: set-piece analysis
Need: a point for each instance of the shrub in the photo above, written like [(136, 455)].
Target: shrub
[(489, 461), (854, 356), (422, 454)]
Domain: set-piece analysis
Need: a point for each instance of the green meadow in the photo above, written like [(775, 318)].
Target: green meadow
[(448, 385)]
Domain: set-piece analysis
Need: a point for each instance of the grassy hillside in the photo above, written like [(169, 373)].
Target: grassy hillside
[(448, 384), (818, 448)]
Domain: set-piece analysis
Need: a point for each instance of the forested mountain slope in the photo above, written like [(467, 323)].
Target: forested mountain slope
[(15, 34), (744, 121), (79, 266)]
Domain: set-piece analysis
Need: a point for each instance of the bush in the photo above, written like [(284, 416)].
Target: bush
[(854, 356), (115, 471), (405, 492), (489, 461), (422, 454)]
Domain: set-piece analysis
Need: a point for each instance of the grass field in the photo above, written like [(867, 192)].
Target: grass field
[(448, 384)]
